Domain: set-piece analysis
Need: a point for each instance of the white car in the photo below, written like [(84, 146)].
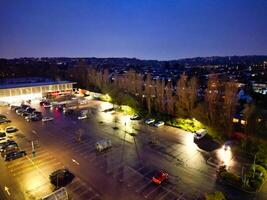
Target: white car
[(46, 119), (11, 129), (149, 121), (47, 105), (103, 145), (159, 123), (83, 117), (200, 134)]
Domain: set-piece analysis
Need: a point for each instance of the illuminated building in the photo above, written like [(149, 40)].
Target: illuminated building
[(23, 91)]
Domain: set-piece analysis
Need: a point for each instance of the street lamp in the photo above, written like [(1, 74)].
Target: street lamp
[(225, 154)]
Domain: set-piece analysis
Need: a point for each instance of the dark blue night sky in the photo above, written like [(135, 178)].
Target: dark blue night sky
[(150, 29)]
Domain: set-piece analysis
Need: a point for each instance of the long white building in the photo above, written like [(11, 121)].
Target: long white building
[(14, 92)]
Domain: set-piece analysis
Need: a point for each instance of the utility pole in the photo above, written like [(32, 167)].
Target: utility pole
[(33, 149), (254, 162), (122, 154)]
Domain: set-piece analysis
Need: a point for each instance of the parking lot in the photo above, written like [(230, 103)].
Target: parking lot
[(137, 153)]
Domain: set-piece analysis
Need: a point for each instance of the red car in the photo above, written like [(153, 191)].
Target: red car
[(159, 177)]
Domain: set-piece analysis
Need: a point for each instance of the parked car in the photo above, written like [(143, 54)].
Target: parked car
[(2, 133), (25, 114), (16, 108), (149, 121), (159, 177), (82, 117), (4, 144), (19, 111), (14, 155), (46, 119), (37, 112), (103, 145), (30, 110), (9, 149), (47, 105), (68, 111), (3, 117), (13, 107), (159, 123), (11, 129), (34, 118), (135, 117), (60, 108), (61, 177), (23, 106), (4, 121), (199, 134)]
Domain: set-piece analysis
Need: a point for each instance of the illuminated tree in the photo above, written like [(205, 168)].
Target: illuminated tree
[(182, 97), (169, 98), (212, 97), (148, 90), (229, 105)]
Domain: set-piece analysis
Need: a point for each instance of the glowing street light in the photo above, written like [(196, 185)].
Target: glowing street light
[(225, 154)]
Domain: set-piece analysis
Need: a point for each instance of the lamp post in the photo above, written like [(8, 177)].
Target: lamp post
[(33, 149)]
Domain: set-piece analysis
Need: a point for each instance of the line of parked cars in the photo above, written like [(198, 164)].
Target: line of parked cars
[(26, 111), (151, 121), (9, 149), (4, 120)]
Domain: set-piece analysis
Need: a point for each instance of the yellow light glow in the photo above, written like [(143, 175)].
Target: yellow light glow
[(225, 155), (19, 98), (243, 122), (106, 105), (125, 119), (235, 120)]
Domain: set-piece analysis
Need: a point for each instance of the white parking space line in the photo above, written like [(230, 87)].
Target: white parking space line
[(40, 191), (150, 192), (75, 161), (142, 177), (143, 186), (85, 190), (42, 166), (41, 157), (24, 165), (118, 165), (161, 197), (18, 163), (80, 147)]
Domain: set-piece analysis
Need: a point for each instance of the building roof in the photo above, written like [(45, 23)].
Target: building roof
[(30, 84)]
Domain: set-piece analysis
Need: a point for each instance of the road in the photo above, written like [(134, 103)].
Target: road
[(125, 170)]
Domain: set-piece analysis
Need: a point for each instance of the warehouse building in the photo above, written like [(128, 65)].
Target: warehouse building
[(16, 90)]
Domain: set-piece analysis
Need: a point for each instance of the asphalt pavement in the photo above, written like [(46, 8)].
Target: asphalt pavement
[(125, 170)]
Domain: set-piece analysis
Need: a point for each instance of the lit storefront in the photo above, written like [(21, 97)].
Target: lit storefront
[(11, 93)]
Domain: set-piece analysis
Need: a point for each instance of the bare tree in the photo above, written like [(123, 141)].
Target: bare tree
[(169, 98), (212, 95), (229, 105), (148, 89), (181, 93), (192, 94), (250, 118)]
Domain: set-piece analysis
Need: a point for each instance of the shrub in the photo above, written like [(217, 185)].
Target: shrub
[(190, 125), (255, 184), (256, 176), (260, 170), (261, 158), (230, 177)]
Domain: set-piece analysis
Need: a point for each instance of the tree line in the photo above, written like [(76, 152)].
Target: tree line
[(214, 106)]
